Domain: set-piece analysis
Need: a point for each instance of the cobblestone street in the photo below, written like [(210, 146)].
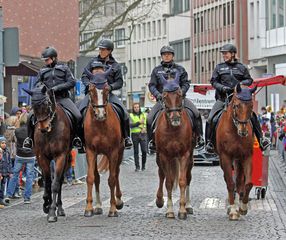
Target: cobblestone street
[(141, 219)]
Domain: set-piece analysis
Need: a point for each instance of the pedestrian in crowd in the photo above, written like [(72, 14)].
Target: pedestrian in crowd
[(168, 69), (24, 157), (114, 81), (225, 77), (138, 121), (5, 169), (58, 78), (265, 121)]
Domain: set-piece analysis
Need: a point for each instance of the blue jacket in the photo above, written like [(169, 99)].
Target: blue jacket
[(6, 163)]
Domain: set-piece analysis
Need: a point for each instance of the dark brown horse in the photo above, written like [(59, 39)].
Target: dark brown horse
[(102, 136), (234, 145), (52, 141), (174, 146)]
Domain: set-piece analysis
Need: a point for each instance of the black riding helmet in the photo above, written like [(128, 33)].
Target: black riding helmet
[(167, 49), (228, 48), (49, 52), (106, 43)]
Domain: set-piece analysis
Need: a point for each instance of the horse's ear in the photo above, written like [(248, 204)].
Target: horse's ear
[(44, 89), (238, 88), (163, 79), (28, 91), (252, 90), (177, 78), (88, 73)]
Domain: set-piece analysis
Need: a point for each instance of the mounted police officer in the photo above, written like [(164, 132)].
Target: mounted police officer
[(168, 68), (58, 78), (115, 82), (225, 77)]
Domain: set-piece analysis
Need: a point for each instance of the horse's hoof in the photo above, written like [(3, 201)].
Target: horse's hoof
[(112, 214), (242, 212), (46, 209), (52, 219), (61, 213), (119, 205), (170, 215), (234, 216), (228, 211), (182, 215), (159, 203), (88, 213), (97, 211), (190, 210)]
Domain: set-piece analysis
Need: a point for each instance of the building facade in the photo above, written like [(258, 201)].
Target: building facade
[(267, 47), (215, 23), (40, 24)]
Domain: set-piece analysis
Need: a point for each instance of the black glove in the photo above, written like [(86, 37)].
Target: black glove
[(226, 89), (54, 88), (159, 97)]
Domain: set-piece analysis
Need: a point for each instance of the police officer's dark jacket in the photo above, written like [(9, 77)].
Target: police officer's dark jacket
[(229, 74), (167, 69), (114, 79), (58, 77)]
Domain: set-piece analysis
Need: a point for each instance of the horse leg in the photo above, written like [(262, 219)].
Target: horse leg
[(169, 185), (189, 207), (98, 204), (112, 183), (160, 199), (91, 162), (119, 202), (226, 165), (183, 183), (60, 210), (247, 187), (56, 185), (45, 165)]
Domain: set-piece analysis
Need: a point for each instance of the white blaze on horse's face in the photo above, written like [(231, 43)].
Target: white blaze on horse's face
[(173, 106), (101, 114)]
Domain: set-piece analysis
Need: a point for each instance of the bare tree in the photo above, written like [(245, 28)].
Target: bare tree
[(91, 10)]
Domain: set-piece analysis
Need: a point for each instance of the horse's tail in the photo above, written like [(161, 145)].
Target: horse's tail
[(103, 165)]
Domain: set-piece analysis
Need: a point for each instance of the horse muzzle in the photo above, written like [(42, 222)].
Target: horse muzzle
[(100, 117), (176, 121), (242, 133)]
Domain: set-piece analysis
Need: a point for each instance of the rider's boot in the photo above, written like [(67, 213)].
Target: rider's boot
[(199, 127), (264, 142), (28, 142), (127, 140), (209, 145)]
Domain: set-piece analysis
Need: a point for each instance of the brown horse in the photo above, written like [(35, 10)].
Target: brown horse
[(52, 141), (234, 145), (174, 146), (102, 136)]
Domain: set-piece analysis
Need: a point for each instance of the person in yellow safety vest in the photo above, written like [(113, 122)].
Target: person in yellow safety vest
[(138, 121)]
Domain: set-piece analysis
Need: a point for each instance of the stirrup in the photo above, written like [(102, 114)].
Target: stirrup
[(209, 147), (28, 143), (152, 147), (128, 143), (264, 143), (77, 142), (200, 144)]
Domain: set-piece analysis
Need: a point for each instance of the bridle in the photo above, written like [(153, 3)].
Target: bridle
[(95, 106)]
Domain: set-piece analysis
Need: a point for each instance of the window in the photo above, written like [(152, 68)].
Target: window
[(139, 31), (273, 14), (144, 66), (179, 50), (232, 12), (179, 6), (159, 29), (149, 29), (228, 14), (187, 50), (187, 5), (149, 66), (281, 13), (144, 30), (139, 67), (134, 68), (86, 36), (153, 28), (120, 37), (164, 27), (224, 15)]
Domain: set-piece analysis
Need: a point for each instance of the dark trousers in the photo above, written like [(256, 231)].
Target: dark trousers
[(2, 186), (139, 138)]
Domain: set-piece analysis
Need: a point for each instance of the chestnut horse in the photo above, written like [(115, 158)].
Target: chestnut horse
[(102, 136), (52, 141), (234, 145), (174, 146)]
